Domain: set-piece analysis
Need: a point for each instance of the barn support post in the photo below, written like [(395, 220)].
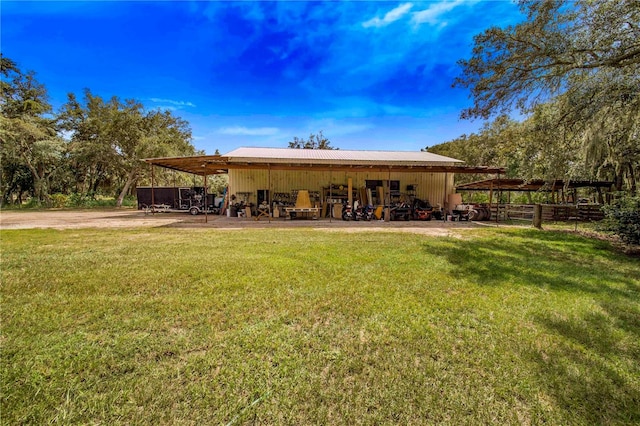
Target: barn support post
[(537, 216), (445, 202), (206, 207), (269, 188), (499, 199), (330, 205), (600, 197), (175, 185), (387, 201), (153, 200), (491, 195)]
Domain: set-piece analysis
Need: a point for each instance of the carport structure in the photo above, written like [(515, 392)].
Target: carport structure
[(557, 209), (265, 172), (557, 188)]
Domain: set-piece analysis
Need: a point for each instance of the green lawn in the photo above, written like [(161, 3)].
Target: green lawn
[(197, 326)]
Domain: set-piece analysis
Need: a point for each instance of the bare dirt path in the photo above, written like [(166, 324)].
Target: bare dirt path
[(74, 219), (129, 218)]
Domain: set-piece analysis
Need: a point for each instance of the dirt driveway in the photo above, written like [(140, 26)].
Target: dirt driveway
[(128, 218), (74, 219)]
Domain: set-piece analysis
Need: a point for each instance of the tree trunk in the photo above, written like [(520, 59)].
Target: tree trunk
[(6, 196), (131, 178), (39, 183), (40, 189), (619, 180), (94, 188), (632, 180)]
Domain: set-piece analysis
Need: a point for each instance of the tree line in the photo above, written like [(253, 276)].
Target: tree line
[(572, 70), (89, 146)]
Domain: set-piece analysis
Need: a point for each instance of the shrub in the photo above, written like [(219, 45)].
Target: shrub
[(90, 200), (129, 201), (33, 203), (58, 200), (622, 217), (78, 200)]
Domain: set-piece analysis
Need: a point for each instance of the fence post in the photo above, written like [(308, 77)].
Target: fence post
[(537, 216)]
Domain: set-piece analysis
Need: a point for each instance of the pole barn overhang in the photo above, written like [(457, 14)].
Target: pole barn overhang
[(198, 165), (217, 164), (530, 185)]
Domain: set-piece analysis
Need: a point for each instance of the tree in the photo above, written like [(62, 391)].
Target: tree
[(536, 148), (107, 140), (611, 142), (314, 142), (576, 67), (110, 138), (161, 135), (559, 44), (92, 150), (499, 143), (29, 139)]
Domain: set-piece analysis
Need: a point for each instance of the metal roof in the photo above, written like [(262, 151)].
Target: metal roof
[(197, 164), (337, 156), (530, 185), (319, 160)]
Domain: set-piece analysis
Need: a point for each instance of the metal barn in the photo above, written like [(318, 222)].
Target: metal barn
[(266, 175)]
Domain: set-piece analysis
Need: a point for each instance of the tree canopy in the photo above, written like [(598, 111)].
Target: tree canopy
[(30, 148), (318, 141), (561, 46), (110, 138), (573, 70), (87, 146)]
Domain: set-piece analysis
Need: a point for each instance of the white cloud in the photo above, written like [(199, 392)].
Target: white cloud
[(174, 104), (165, 108), (391, 16), (247, 131), (434, 13)]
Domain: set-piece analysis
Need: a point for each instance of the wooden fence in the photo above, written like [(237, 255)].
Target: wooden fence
[(550, 212)]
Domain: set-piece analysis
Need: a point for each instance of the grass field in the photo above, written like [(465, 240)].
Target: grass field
[(197, 326)]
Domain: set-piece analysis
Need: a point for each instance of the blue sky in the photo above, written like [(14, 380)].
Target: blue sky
[(371, 75)]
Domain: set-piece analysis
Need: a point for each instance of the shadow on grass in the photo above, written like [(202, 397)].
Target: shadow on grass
[(591, 367), (593, 371), (554, 261)]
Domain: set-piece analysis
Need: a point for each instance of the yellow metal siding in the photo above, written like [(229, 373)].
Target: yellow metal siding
[(431, 186)]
